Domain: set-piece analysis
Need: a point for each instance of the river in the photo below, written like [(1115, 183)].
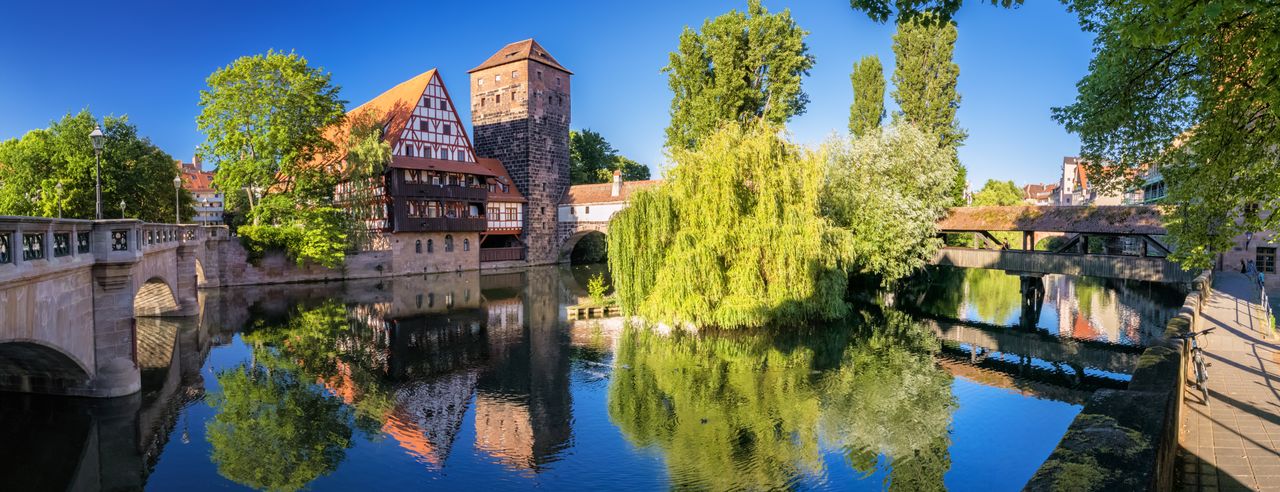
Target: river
[(470, 381)]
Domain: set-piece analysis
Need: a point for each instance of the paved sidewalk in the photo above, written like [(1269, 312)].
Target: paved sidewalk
[(1233, 443)]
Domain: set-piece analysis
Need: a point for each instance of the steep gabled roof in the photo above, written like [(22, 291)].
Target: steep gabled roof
[(512, 194), (521, 50)]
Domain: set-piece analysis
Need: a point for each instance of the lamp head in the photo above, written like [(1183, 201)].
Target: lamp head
[(96, 136)]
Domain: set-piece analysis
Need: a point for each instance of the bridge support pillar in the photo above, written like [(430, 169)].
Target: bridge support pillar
[(114, 335), (186, 284)]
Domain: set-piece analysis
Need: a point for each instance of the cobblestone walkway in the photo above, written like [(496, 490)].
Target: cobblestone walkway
[(1233, 443)]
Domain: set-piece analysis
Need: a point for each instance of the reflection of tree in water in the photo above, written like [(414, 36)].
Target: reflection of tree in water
[(273, 430), (745, 410), (994, 294)]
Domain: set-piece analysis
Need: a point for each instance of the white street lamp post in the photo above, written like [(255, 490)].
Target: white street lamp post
[(121, 209), (177, 185), (96, 137)]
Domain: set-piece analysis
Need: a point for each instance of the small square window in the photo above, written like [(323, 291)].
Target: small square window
[(497, 78), (480, 82), (515, 74)]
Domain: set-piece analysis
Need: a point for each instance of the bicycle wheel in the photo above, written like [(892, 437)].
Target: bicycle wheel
[(1202, 376)]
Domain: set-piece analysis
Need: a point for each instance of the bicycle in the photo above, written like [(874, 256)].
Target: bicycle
[(1197, 360)]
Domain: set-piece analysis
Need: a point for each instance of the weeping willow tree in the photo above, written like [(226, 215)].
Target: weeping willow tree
[(734, 238)]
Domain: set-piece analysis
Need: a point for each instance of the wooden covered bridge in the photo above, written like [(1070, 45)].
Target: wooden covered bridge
[(1129, 235)]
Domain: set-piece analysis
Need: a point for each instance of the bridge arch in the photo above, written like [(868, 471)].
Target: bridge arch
[(37, 366), (155, 297), (571, 243)]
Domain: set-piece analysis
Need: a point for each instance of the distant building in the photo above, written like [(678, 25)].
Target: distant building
[(1039, 194), (1075, 187), (208, 201)]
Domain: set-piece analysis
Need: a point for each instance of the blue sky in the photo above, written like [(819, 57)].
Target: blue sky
[(149, 60)]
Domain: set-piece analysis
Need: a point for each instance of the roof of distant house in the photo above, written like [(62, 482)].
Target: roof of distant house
[(603, 192), (1036, 190), (194, 179), (521, 50)]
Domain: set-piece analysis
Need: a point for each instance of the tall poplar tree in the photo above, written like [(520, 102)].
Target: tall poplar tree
[(924, 79), (738, 67), (868, 96)]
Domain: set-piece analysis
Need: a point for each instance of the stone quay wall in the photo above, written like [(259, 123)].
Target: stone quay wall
[(1128, 439)]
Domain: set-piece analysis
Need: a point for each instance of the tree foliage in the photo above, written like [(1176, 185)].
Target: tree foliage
[(998, 193), (263, 117), (1191, 89), (888, 188), (734, 237), (592, 159), (867, 110), (737, 67), (133, 170), (925, 79), (935, 10)]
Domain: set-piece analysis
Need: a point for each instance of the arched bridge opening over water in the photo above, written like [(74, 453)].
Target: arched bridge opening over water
[(70, 292)]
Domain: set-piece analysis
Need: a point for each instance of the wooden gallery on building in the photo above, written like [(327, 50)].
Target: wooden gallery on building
[(446, 203)]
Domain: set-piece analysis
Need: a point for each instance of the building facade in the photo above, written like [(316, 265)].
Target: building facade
[(209, 204), (1039, 194), (445, 205)]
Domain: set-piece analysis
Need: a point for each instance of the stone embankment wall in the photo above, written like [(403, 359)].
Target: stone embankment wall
[(1128, 439)]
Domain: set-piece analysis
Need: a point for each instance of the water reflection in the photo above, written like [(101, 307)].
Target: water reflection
[(480, 381), (1086, 308), (754, 410)]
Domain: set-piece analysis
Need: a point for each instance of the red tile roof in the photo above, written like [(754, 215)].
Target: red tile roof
[(194, 179), (603, 192), (500, 176), (521, 50)]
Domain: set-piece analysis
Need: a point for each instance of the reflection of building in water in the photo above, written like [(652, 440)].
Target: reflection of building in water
[(1107, 310), (428, 415), (523, 401)]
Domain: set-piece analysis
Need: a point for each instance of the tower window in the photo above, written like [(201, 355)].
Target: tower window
[(417, 248), (497, 78), (515, 74), (539, 74), (466, 245), (558, 81), (430, 246), (497, 99), (448, 243), (548, 99), (480, 82)]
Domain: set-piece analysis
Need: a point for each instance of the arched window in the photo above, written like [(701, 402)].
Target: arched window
[(417, 246), (430, 246), (448, 243), (466, 244)]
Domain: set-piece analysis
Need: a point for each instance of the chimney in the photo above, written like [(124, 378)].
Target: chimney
[(617, 183)]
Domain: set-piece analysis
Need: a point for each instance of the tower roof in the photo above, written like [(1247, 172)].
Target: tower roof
[(521, 50)]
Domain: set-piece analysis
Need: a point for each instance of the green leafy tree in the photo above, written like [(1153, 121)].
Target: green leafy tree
[(888, 188), (367, 156), (592, 159), (631, 170), (737, 67), (942, 10), (1000, 193), (925, 79), (263, 117), (133, 170), (867, 110), (1190, 89), (734, 237)]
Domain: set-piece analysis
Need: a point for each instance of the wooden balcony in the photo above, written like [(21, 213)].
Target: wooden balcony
[(502, 254), (448, 192), (442, 224)]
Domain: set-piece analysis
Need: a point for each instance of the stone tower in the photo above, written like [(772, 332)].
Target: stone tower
[(520, 115)]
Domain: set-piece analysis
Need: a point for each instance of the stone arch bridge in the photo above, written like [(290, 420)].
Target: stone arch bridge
[(70, 292)]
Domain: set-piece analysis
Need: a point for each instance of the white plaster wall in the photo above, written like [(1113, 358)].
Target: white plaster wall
[(589, 213)]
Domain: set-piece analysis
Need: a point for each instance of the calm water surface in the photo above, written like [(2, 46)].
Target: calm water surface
[(475, 382)]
